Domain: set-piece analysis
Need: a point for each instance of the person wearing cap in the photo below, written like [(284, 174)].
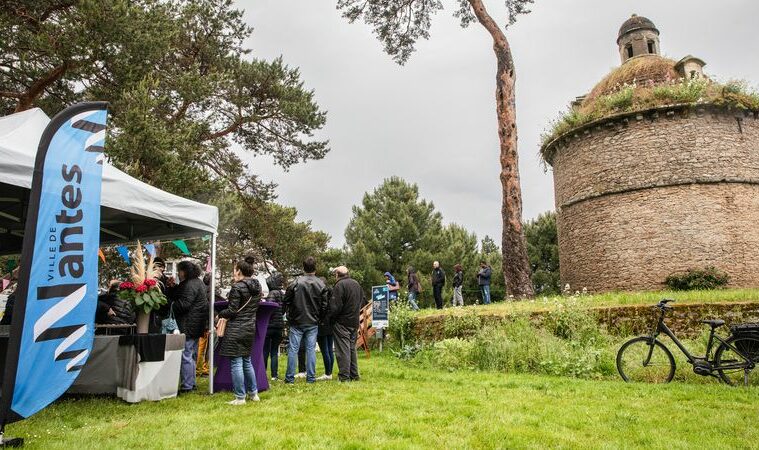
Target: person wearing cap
[(392, 287), (344, 310), (458, 282)]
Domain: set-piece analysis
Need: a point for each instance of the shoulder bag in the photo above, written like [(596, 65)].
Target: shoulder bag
[(221, 324)]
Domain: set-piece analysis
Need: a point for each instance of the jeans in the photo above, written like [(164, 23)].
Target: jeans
[(187, 370), (458, 299), (485, 294), (437, 292), (412, 301), (271, 351), (328, 352), (345, 350), (243, 377), (296, 334)]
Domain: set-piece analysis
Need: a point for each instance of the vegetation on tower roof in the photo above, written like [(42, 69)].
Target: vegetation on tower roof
[(634, 96)]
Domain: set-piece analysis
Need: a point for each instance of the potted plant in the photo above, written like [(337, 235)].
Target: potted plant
[(142, 291)]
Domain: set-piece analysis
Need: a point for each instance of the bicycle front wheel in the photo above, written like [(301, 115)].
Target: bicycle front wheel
[(734, 368), (645, 360)]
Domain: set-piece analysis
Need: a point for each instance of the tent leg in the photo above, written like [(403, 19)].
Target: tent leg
[(211, 327)]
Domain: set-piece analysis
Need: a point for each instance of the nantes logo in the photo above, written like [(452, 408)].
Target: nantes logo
[(69, 253)]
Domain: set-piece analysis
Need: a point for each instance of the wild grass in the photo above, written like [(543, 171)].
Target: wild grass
[(512, 306), (633, 96), (399, 406)]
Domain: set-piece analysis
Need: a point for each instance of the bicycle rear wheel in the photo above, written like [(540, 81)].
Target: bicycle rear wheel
[(736, 371), (640, 360)]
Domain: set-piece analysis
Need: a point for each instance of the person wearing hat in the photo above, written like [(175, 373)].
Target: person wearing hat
[(344, 310), (392, 287)]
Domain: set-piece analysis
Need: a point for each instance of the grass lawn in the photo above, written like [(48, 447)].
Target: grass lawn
[(401, 406), (607, 299)]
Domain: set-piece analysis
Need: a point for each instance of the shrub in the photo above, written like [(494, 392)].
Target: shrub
[(455, 326), (520, 346), (401, 324), (697, 279)]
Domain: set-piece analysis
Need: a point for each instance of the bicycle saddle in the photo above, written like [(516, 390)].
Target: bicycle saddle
[(714, 323)]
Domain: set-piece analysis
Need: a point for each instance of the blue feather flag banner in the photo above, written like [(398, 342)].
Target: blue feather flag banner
[(53, 322), (150, 248)]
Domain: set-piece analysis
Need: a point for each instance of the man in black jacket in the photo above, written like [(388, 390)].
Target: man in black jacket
[(438, 281), (344, 310), (305, 303)]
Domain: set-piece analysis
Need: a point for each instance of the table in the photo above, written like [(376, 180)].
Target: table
[(222, 379), (133, 367)]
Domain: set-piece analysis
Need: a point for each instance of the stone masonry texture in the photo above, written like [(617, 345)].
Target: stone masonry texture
[(653, 193)]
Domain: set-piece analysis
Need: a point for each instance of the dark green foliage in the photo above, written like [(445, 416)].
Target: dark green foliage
[(543, 251), (399, 24), (698, 279), (182, 91), (391, 229)]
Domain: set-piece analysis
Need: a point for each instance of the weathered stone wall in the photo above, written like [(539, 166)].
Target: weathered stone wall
[(684, 320), (645, 195)]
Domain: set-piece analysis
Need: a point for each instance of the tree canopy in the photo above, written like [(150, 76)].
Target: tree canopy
[(189, 104), (185, 94), (391, 225)]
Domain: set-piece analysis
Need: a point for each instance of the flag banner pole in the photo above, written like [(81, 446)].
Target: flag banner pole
[(56, 298), (211, 327)]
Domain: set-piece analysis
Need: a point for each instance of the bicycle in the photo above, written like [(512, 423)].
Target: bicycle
[(646, 358)]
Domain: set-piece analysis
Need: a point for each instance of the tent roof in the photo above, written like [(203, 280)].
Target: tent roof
[(130, 209)]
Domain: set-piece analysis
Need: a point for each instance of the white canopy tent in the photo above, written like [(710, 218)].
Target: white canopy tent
[(130, 209)]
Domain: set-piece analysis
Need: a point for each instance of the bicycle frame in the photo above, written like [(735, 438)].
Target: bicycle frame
[(662, 327)]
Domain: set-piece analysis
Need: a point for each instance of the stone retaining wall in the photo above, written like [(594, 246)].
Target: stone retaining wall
[(684, 319)]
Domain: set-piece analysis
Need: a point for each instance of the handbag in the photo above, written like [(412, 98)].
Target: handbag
[(221, 324), (169, 325)]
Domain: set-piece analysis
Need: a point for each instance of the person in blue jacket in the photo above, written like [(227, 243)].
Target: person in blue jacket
[(483, 279)]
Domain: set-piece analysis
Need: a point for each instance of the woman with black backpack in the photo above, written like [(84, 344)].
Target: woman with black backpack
[(240, 330), (273, 339)]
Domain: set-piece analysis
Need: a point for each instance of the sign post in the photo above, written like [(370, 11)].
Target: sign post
[(380, 309)]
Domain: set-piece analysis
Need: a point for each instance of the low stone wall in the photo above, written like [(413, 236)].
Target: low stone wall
[(684, 319)]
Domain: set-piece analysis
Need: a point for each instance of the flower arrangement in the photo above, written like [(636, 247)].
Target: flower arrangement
[(142, 291)]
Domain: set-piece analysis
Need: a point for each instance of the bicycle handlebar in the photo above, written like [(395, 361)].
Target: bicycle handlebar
[(663, 303)]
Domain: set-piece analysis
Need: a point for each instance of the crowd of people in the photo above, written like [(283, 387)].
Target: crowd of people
[(311, 312), (438, 281)]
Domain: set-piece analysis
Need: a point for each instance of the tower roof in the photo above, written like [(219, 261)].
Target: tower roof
[(635, 23)]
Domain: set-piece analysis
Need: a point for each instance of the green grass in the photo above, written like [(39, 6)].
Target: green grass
[(397, 405), (601, 300)]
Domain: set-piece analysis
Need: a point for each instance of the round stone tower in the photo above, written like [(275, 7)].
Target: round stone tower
[(641, 195)]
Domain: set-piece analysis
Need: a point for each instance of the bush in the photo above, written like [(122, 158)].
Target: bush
[(455, 326), (401, 324), (519, 346), (697, 279)]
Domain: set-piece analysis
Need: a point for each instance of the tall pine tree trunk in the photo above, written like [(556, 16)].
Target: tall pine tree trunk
[(516, 265)]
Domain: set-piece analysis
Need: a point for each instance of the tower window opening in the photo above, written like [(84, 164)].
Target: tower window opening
[(651, 47), (693, 75), (629, 50)]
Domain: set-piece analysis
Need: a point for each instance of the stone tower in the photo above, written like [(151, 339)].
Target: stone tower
[(645, 193), (638, 36)]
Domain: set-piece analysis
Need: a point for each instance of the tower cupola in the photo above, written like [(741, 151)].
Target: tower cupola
[(638, 36)]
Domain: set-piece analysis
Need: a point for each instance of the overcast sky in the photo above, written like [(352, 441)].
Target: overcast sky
[(433, 120)]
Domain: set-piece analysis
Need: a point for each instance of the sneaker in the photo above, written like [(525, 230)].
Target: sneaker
[(254, 397), (237, 402), (300, 375), (324, 377), (274, 379)]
